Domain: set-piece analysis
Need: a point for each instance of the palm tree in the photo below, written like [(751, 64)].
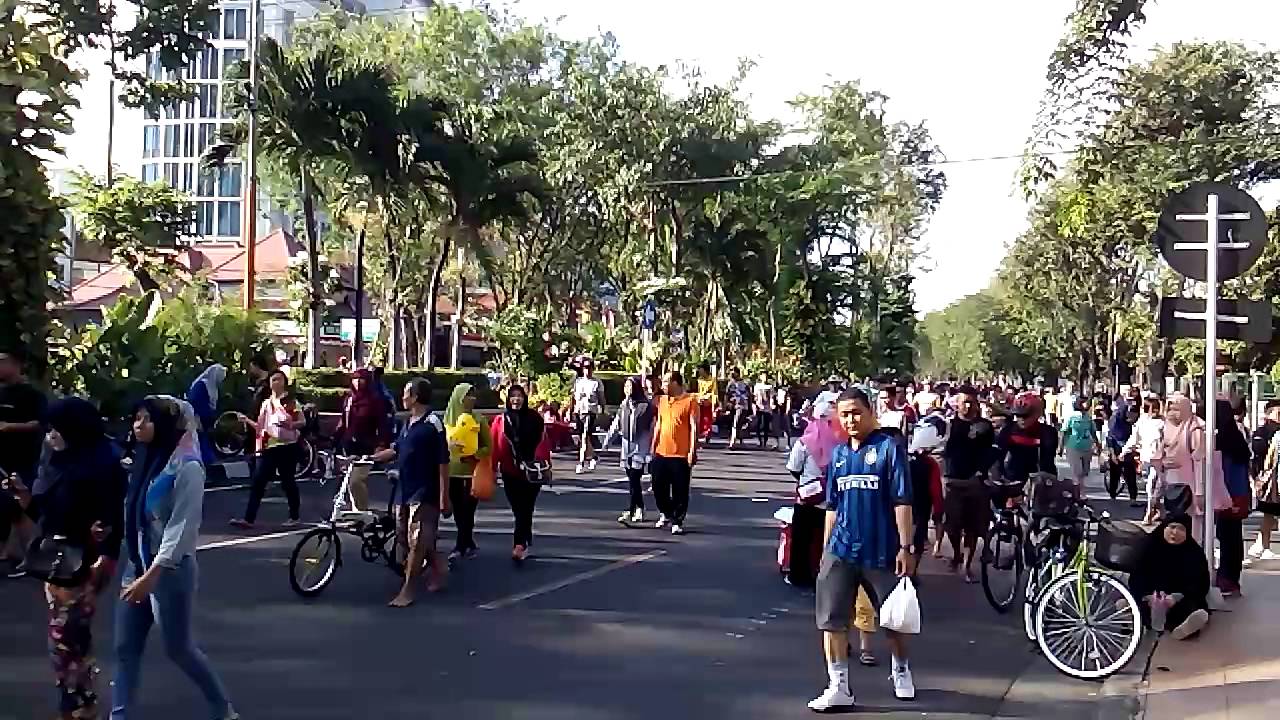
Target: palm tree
[(312, 107), (484, 183)]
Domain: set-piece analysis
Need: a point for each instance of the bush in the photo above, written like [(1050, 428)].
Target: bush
[(325, 387)]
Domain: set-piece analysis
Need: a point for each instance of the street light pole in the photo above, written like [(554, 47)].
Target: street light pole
[(250, 204)]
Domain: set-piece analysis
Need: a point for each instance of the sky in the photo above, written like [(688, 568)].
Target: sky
[(972, 70)]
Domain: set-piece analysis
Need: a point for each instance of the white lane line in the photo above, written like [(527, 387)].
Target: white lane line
[(572, 579), (248, 540)]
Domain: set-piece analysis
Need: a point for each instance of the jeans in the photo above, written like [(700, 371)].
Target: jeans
[(670, 477), (280, 462), (634, 478), (464, 512), (523, 497), (172, 604)]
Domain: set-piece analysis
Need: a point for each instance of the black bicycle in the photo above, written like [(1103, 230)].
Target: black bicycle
[(318, 555), (1004, 548)]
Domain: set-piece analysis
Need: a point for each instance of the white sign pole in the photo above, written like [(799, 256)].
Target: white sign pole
[(1210, 370)]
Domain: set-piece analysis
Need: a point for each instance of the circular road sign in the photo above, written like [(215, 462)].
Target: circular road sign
[(1240, 241)]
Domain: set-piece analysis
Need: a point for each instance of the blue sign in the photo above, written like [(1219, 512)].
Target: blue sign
[(649, 316)]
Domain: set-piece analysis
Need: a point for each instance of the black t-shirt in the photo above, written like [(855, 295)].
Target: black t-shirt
[(1259, 443), (20, 451), (968, 449)]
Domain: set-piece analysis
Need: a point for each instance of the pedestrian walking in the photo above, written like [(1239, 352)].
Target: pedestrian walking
[(738, 393), (634, 424), (1079, 444), (522, 459), (1229, 514), (465, 453), (1144, 444), (675, 452), (1181, 458), (276, 431), (161, 526), (808, 463), (203, 395), (588, 403), (79, 507), (22, 407), (967, 458), (763, 396), (362, 429), (869, 542), (422, 493)]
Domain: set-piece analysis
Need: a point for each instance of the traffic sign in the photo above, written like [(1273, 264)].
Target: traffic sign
[(1248, 320), (649, 315), (1182, 234)]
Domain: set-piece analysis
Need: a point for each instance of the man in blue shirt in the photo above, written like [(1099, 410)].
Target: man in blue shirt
[(422, 456), (869, 533)]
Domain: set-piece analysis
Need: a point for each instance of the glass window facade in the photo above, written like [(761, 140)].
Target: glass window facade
[(174, 140)]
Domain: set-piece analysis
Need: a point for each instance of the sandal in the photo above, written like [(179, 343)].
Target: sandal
[(867, 658)]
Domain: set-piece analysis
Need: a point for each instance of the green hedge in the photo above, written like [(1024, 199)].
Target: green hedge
[(325, 387)]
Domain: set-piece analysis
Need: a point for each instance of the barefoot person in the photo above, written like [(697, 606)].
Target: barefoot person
[(869, 532), (423, 492)]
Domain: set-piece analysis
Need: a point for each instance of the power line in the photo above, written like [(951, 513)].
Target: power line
[(946, 161)]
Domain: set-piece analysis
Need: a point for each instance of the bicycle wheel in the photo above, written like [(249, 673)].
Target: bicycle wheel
[(1038, 577), (1002, 566), (315, 561), (306, 459), (1089, 627)]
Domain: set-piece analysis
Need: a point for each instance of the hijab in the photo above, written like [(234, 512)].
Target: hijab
[(523, 427), (1177, 435), (1170, 568), (821, 437), (87, 450), (156, 464), (1230, 441), (454, 409), (212, 378)]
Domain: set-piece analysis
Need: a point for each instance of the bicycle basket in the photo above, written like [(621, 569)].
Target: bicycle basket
[(1119, 544), (1051, 495)]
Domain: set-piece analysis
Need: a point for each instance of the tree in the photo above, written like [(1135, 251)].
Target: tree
[(37, 40), (312, 104), (143, 225)]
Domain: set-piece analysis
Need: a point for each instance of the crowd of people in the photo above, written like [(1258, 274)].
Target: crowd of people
[(877, 466)]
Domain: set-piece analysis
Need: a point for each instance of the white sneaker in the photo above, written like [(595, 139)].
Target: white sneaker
[(578, 470), (662, 521), (904, 687), (625, 517), (1268, 555), (677, 529), (638, 516), (1256, 550), (833, 698), (591, 465)]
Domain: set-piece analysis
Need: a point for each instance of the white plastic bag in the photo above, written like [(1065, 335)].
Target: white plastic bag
[(901, 610)]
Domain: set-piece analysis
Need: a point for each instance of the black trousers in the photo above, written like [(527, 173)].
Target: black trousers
[(279, 462), (10, 514), (634, 477), (1230, 534), (806, 530), (764, 421), (464, 512), (671, 486), (522, 495), (1125, 468)]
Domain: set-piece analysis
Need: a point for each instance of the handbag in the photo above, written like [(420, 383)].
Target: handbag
[(1268, 499), (56, 561), (537, 472)]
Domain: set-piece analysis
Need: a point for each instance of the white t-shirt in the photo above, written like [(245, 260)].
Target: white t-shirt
[(764, 396), (586, 395), (925, 401)]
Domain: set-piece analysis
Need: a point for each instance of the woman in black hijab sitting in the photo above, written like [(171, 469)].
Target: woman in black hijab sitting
[(1171, 581)]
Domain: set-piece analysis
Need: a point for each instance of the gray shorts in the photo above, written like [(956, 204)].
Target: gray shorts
[(838, 583)]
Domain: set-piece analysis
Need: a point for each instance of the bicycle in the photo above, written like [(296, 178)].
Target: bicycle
[(1087, 623), (230, 440), (316, 558), (1003, 549)]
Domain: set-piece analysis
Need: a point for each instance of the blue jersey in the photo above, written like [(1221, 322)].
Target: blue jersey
[(864, 486)]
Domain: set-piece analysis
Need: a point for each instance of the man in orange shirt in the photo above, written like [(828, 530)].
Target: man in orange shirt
[(675, 451)]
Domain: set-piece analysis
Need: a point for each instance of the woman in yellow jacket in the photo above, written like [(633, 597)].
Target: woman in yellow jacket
[(469, 442)]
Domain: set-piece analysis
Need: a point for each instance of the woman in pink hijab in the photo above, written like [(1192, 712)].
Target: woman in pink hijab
[(1180, 456), (808, 462)]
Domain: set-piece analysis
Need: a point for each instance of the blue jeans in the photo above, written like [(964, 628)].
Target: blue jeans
[(171, 605)]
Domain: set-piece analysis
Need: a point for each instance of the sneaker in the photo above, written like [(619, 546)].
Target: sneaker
[(1194, 623), (241, 524), (591, 465), (579, 469), (637, 516), (904, 687), (470, 553), (1256, 550), (291, 523), (677, 529), (455, 557), (1268, 555), (625, 517), (662, 521), (833, 699)]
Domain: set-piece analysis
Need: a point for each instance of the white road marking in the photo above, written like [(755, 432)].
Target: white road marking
[(572, 579), (248, 540)]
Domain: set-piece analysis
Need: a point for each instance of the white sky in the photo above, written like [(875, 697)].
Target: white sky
[(972, 69)]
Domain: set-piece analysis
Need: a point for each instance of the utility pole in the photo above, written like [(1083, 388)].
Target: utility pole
[(250, 204)]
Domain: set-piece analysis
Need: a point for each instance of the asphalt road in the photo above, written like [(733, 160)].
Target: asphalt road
[(607, 623)]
